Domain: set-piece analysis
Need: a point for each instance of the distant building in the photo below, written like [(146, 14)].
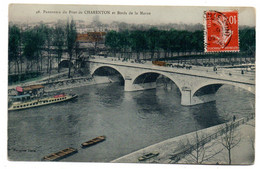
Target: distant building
[(91, 37)]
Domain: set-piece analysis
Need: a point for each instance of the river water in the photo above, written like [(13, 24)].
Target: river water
[(130, 120)]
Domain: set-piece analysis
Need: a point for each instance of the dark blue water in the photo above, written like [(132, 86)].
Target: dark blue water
[(130, 120)]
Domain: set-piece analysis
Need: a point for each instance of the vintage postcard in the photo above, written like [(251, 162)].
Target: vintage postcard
[(131, 84)]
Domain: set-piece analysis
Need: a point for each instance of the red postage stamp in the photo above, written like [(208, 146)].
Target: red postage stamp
[(221, 31)]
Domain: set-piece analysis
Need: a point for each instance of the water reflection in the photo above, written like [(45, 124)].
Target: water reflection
[(109, 96), (207, 114)]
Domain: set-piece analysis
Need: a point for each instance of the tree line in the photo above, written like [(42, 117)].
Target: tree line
[(154, 40), (37, 47), (168, 42), (40, 45)]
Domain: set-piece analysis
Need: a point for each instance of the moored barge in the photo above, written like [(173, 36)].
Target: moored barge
[(60, 155), (93, 141)]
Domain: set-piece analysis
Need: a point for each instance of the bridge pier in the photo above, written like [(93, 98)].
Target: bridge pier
[(188, 100)]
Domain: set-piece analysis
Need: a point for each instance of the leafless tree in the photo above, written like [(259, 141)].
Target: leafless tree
[(198, 150), (229, 139), (71, 34)]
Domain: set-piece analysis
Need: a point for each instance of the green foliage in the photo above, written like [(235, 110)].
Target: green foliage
[(22, 77), (154, 39), (14, 43), (247, 40), (34, 44), (169, 40), (71, 34), (31, 44), (34, 40), (113, 40), (137, 40)]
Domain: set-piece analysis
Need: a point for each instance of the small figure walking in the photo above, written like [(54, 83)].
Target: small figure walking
[(234, 118)]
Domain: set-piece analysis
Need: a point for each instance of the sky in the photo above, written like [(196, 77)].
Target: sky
[(155, 15)]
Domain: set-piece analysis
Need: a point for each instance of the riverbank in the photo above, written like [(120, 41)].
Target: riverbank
[(62, 84), (169, 148), (242, 153), (38, 80), (79, 82)]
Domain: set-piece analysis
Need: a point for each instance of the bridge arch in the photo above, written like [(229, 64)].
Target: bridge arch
[(107, 66), (154, 76), (212, 88), (65, 64)]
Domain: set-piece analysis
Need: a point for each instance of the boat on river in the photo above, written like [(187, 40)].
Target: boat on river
[(60, 155), (35, 99), (93, 141), (148, 156), (30, 102)]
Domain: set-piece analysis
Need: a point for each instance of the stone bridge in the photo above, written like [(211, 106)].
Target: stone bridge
[(197, 85)]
